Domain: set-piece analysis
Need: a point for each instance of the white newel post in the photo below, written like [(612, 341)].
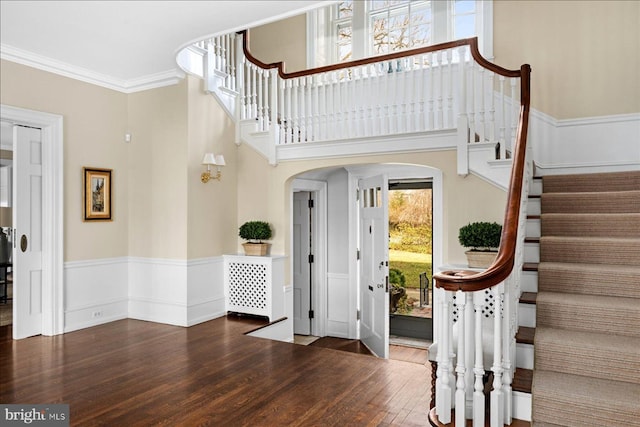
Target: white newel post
[(274, 129)]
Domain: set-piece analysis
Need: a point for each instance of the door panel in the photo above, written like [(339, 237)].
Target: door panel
[(27, 198), (374, 265), (301, 270)]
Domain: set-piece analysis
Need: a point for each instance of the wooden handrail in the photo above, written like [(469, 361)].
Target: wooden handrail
[(471, 42), (454, 280), (468, 281)]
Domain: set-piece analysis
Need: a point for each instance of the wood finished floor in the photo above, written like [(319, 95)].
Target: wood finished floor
[(134, 373)]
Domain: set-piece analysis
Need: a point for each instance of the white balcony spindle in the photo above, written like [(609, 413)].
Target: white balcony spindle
[(449, 122)]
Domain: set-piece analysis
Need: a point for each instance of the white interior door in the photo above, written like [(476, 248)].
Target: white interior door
[(27, 255), (374, 264), (301, 266)]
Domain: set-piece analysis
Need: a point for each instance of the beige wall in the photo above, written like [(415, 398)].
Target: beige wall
[(267, 197), (281, 41), (158, 180), (212, 207), (585, 56), (95, 121)]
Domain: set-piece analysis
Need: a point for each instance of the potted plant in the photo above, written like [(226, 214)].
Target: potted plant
[(483, 238), (255, 232)]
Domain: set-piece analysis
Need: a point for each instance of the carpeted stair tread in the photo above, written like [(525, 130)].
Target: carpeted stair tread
[(589, 224), (590, 250), (588, 354), (609, 181), (591, 202), (621, 280), (583, 401), (591, 313)]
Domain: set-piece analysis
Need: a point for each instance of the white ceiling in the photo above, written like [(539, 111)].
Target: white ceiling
[(123, 43)]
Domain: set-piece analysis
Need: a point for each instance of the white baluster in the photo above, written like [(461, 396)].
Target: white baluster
[(441, 89), (450, 122), (443, 387), (266, 101), (460, 398), (322, 101), (514, 114), (509, 320), (260, 99), (295, 110), (472, 102), (432, 96), (273, 102), (492, 108), (315, 108), (478, 369), (303, 109), (480, 128), (497, 397), (289, 117), (282, 118), (503, 120), (233, 62)]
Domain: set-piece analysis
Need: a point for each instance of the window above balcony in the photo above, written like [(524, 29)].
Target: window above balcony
[(357, 29)]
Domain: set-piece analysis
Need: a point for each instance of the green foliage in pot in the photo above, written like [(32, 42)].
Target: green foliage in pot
[(480, 235), (396, 277), (255, 231)]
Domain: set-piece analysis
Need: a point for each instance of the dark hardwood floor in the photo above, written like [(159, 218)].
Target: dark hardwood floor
[(134, 373)]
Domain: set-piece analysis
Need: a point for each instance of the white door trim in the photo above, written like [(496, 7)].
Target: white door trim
[(319, 245), (52, 206)]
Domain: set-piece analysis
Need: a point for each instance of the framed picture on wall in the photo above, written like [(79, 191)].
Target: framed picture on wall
[(97, 194)]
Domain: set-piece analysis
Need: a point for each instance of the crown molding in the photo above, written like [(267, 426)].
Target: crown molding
[(40, 62)]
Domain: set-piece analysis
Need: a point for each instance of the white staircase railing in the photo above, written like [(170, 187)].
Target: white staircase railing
[(443, 87)]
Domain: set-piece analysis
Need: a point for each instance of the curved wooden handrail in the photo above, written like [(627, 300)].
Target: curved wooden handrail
[(471, 42), (501, 268), (467, 281)]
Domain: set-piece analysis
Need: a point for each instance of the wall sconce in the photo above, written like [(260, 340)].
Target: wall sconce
[(211, 159)]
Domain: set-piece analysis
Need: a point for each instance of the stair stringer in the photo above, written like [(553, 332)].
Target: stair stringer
[(495, 172)]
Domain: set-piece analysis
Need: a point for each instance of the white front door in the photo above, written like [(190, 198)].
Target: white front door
[(374, 264), (301, 265), (27, 255)]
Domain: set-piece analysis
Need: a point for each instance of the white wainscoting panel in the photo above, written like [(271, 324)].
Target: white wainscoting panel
[(205, 293), (95, 292), (585, 145), (176, 292), (338, 304)]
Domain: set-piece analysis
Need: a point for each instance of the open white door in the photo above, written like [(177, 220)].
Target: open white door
[(27, 255), (301, 270), (374, 264)]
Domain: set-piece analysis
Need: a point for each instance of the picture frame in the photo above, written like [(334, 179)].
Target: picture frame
[(97, 194)]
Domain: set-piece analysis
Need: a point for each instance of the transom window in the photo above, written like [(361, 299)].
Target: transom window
[(356, 29)]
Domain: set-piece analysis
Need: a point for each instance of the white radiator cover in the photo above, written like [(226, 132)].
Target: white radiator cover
[(255, 285)]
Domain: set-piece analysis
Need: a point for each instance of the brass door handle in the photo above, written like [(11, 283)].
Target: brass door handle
[(24, 243)]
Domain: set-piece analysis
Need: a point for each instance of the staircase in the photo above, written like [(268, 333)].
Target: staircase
[(587, 324)]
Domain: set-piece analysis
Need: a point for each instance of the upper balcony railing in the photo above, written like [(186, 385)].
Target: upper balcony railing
[(449, 86)]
